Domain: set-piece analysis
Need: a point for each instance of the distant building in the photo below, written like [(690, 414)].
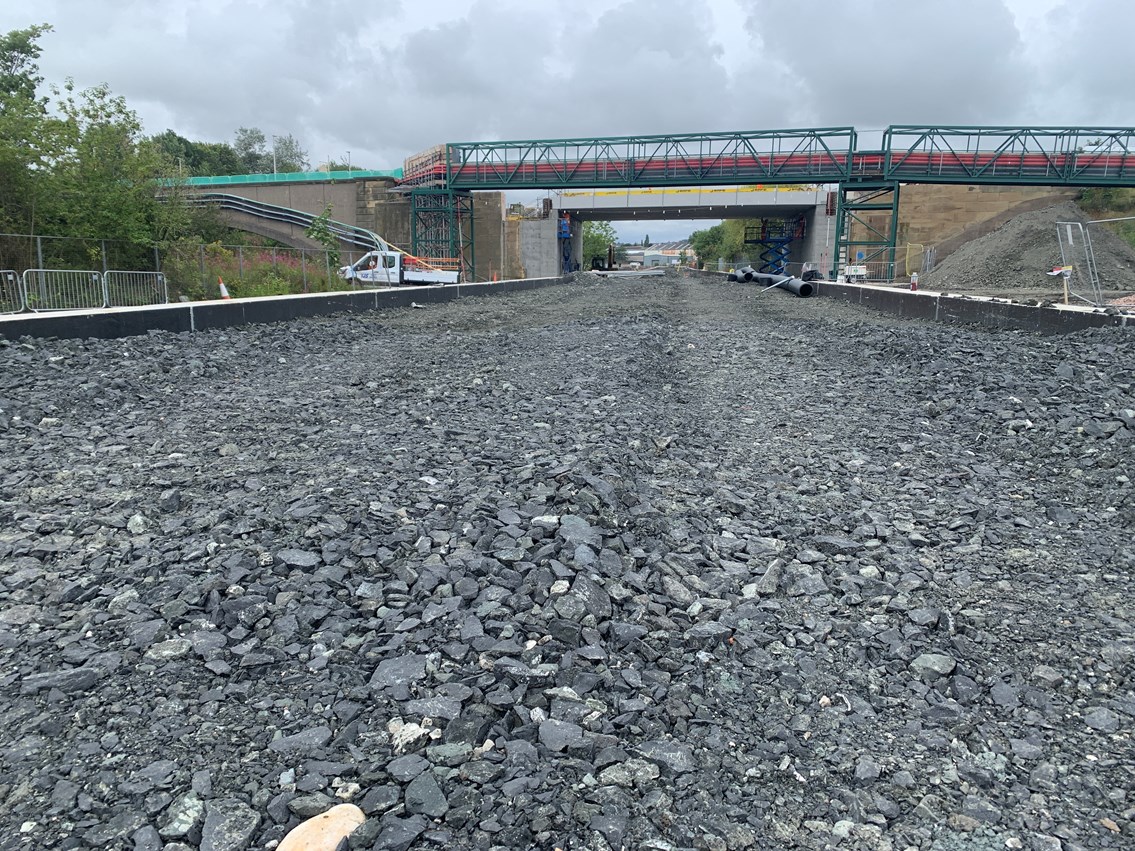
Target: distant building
[(670, 253)]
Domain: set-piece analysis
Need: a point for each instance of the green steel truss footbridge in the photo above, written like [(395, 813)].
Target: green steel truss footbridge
[(1035, 156), (868, 179)]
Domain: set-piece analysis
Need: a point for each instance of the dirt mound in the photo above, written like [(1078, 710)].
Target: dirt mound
[(1015, 257)]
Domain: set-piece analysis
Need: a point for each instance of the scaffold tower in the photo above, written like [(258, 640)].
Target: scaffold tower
[(441, 228)]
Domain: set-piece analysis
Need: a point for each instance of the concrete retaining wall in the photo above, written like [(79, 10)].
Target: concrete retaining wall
[(539, 247), (934, 307), (209, 315), (996, 313)]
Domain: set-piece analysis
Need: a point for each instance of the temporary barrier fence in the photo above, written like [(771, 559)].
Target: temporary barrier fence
[(64, 289), (11, 292), (133, 289), (42, 290), (1078, 264), (868, 271)]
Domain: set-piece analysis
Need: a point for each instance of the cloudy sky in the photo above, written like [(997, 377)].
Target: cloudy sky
[(385, 79)]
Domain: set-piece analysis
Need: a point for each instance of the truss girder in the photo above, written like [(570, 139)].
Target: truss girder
[(775, 156), (1038, 156)]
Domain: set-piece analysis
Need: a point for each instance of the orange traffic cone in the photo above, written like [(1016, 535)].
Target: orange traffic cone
[(224, 289)]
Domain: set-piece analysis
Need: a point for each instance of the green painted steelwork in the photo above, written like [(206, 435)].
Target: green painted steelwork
[(289, 177), (1038, 156), (1031, 156), (702, 159), (856, 231), (441, 226)]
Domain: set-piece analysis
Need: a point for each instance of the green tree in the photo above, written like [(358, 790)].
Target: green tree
[(597, 236), (29, 136), (284, 155), (289, 154), (707, 244), (215, 158), (320, 231), (19, 74), (82, 169), (198, 158), (252, 148), (104, 183), (725, 240)]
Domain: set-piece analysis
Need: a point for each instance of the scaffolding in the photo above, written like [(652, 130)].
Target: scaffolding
[(867, 217), (441, 228)]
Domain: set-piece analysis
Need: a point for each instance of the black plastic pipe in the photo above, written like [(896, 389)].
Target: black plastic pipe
[(802, 289), (799, 288)]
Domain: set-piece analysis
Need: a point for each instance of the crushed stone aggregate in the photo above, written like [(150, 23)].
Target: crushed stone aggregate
[(657, 564)]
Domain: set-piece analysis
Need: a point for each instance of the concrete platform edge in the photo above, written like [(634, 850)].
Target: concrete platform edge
[(961, 310), (213, 315), (936, 307)]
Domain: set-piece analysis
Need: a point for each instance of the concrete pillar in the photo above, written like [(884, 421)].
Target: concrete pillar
[(488, 228), (819, 238), (539, 247)]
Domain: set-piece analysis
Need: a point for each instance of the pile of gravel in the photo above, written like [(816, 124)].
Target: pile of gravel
[(655, 564), (1014, 258)]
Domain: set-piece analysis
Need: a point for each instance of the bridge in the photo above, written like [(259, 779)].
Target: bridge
[(1037, 156), (437, 188)]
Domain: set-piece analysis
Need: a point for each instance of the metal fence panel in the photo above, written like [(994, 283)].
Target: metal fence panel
[(869, 272), (11, 292), (64, 289), (1078, 260), (130, 289)]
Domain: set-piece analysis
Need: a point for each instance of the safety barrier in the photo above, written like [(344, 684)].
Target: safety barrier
[(864, 271), (43, 290), (63, 289), (134, 289), (11, 292)]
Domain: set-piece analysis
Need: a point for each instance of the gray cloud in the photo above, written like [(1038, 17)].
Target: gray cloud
[(870, 63), (1088, 66), (384, 80)]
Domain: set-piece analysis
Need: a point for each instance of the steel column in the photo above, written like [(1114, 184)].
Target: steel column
[(855, 231)]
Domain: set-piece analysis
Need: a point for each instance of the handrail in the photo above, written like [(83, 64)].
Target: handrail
[(286, 215)]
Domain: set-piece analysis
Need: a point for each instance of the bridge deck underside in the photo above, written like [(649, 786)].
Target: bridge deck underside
[(647, 212)]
